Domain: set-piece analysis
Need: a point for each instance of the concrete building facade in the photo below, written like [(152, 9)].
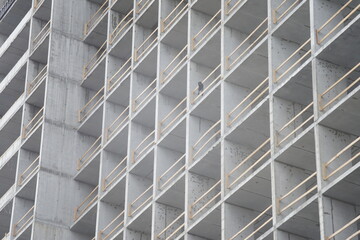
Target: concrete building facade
[(179, 119)]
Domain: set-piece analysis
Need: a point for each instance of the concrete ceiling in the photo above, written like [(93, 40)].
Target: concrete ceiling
[(7, 175), (98, 34), (346, 54), (209, 7), (249, 16), (175, 195), (119, 143), (14, 52), (10, 131), (177, 36), (346, 117), (93, 124), (347, 190), (28, 189), (123, 6), (86, 223), (122, 49), (116, 195), (14, 15), (5, 217), (145, 167), (150, 18), (252, 71), (255, 194), (142, 223), (40, 53), (305, 223), (147, 65), (176, 87), (301, 154), (209, 227), (254, 130), (146, 116), (36, 98), (299, 88), (209, 165), (209, 55), (32, 142), (95, 79), (121, 94), (90, 173), (175, 140), (209, 108), (44, 11), (297, 27), (12, 91)]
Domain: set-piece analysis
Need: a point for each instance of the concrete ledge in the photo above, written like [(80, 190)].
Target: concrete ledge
[(7, 197), (11, 112), (15, 33), (13, 71), (10, 152)]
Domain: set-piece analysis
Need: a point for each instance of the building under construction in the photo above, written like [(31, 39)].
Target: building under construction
[(179, 119)]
